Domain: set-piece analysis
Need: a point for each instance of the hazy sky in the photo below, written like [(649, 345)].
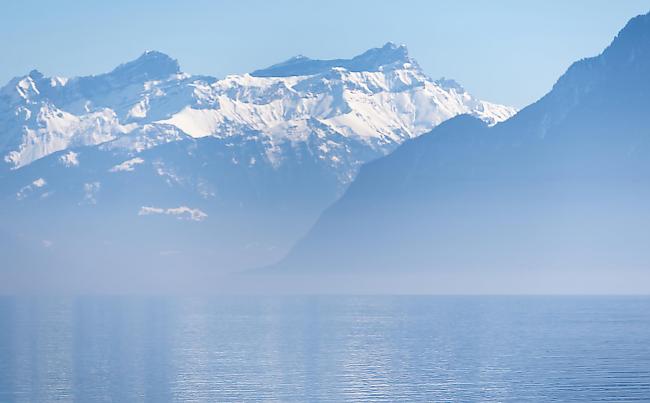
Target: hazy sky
[(507, 51)]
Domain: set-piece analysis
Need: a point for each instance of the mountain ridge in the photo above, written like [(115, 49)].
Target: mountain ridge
[(148, 166), (370, 60), (555, 190), (151, 90)]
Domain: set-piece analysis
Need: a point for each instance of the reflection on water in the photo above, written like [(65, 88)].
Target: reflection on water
[(324, 348)]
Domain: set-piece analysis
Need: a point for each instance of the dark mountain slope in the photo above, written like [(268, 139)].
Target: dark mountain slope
[(562, 186)]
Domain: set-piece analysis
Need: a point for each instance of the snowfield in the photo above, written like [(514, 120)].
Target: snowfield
[(148, 102)]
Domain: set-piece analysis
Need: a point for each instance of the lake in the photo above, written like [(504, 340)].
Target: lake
[(324, 348)]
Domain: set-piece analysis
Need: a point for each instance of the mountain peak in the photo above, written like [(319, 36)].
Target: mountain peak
[(151, 65), (623, 63), (35, 74), (449, 84), (371, 60), (387, 54), (632, 42), (391, 45)]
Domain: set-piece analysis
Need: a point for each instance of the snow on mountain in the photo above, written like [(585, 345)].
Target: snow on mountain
[(228, 172), (377, 99), (70, 159), (127, 166)]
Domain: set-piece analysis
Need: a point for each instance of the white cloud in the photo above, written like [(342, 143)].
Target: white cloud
[(127, 166), (150, 210), (182, 212), (194, 214)]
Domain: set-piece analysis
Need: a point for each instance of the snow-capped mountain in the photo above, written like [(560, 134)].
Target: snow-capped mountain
[(149, 161), (555, 198), (377, 99)]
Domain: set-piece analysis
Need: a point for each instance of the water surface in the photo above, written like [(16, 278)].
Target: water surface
[(325, 348)]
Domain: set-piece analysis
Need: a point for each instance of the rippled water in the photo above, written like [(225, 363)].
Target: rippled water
[(325, 348)]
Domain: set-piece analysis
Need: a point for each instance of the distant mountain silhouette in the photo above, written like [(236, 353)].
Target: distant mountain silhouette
[(562, 187)]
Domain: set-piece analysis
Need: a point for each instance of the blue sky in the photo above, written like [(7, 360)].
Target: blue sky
[(504, 50)]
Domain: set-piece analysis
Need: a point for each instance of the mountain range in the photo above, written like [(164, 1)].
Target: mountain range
[(555, 198), (147, 166)]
